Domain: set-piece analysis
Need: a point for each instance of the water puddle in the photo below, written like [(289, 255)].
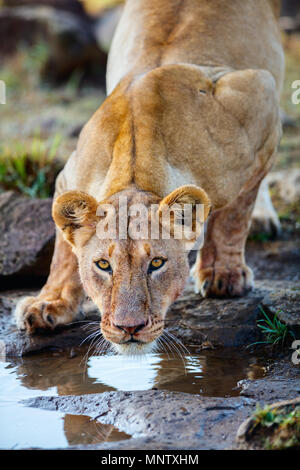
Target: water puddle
[(52, 374)]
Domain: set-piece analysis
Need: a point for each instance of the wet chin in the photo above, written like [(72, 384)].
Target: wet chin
[(134, 349)]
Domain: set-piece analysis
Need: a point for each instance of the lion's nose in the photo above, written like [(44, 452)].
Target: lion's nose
[(131, 330)]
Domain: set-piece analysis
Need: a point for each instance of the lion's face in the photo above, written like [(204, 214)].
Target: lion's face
[(132, 281)]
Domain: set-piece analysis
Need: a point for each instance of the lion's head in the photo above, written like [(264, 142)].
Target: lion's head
[(132, 276)]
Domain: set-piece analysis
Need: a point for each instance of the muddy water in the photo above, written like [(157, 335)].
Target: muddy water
[(52, 374)]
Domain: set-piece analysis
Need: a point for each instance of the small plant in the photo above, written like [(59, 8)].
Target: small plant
[(274, 330), (282, 426), (30, 170), (266, 416)]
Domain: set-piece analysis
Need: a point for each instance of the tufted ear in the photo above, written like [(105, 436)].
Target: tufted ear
[(74, 213), (188, 207)]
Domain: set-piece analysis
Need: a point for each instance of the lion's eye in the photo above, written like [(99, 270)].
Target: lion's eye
[(103, 264), (156, 263)]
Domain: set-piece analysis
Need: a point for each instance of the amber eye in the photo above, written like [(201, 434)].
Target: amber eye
[(156, 263), (103, 264)]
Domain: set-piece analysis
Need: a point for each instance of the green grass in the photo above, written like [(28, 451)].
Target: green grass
[(282, 426), (30, 169), (268, 416), (22, 71), (274, 331)]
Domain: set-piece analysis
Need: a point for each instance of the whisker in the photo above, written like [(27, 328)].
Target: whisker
[(159, 344), (180, 343), (102, 346), (81, 321), (85, 358), (92, 324), (176, 348), (94, 333), (166, 346)]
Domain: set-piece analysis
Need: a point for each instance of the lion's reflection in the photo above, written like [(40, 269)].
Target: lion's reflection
[(211, 373), (80, 428)]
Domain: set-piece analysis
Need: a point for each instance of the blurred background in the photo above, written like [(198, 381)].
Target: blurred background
[(53, 57)]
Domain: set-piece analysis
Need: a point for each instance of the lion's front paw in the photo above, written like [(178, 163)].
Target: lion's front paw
[(33, 313), (223, 282)]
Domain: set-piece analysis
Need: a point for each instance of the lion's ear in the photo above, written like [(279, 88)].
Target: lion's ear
[(188, 206), (72, 211)]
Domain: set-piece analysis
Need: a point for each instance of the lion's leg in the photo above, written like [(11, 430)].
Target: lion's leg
[(59, 300), (220, 268)]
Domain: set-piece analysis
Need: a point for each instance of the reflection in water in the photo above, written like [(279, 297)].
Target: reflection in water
[(207, 374), (81, 429), (210, 374)]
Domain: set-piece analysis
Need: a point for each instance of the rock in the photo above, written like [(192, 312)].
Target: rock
[(281, 382), (266, 391), (69, 37), (287, 184), (226, 322), (27, 236), (232, 322), (277, 260), (284, 301), (171, 420), (252, 435)]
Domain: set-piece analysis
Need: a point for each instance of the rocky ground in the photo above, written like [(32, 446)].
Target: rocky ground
[(162, 420), (166, 420)]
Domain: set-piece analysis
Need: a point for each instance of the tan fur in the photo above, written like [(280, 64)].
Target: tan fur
[(191, 116)]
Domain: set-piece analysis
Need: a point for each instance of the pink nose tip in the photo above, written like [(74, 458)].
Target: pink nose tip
[(131, 330)]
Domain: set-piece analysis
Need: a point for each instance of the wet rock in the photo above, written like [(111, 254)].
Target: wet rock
[(281, 382), (27, 236), (232, 322), (226, 322), (170, 420), (16, 343), (268, 390)]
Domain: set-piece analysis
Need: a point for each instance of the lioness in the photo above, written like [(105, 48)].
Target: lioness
[(191, 117)]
